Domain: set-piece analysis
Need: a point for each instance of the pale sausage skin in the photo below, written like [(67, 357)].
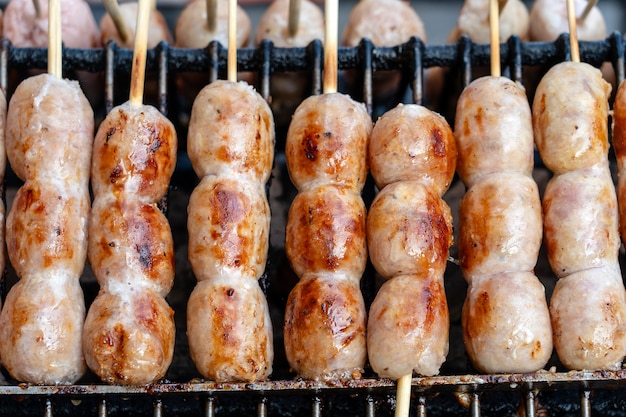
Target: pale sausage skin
[(386, 23), (500, 234), (482, 124), (505, 319), (325, 318), (129, 330), (589, 318), (42, 320), (231, 146), (412, 153), (473, 21), (409, 232), (571, 137), (507, 310), (581, 224), (571, 201)]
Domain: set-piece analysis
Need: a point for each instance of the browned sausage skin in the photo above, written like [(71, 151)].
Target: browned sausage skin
[(231, 146), (325, 241), (129, 330), (412, 153)]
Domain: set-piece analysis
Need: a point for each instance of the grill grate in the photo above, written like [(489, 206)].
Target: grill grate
[(564, 393)]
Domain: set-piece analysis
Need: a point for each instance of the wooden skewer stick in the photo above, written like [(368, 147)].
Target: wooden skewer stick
[(113, 9), (573, 34), (585, 12), (37, 6), (331, 11), (294, 17), (55, 43), (211, 15), (232, 41), (494, 25), (403, 396), (138, 73)]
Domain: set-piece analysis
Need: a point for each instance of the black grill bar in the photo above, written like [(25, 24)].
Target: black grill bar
[(214, 56)]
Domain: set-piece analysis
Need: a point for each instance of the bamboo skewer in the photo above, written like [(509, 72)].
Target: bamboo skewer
[(573, 35), (211, 15), (294, 17), (113, 9), (403, 396), (494, 25), (138, 73), (55, 42), (232, 41), (585, 12), (331, 12)]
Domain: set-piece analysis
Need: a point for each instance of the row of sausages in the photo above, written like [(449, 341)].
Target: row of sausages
[(128, 334), (508, 325)]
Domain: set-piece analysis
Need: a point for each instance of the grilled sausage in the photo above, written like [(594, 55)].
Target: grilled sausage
[(129, 330), (42, 320), (412, 155), (228, 324), (506, 321), (325, 319), (588, 306)]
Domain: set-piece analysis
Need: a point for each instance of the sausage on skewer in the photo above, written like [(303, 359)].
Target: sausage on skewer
[(581, 231), (228, 323), (49, 135), (325, 242), (506, 322), (412, 155)]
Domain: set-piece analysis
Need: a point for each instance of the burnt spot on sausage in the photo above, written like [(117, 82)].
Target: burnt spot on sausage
[(156, 144), (144, 255), (479, 119), (115, 174), (110, 133), (439, 145), (309, 145)]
